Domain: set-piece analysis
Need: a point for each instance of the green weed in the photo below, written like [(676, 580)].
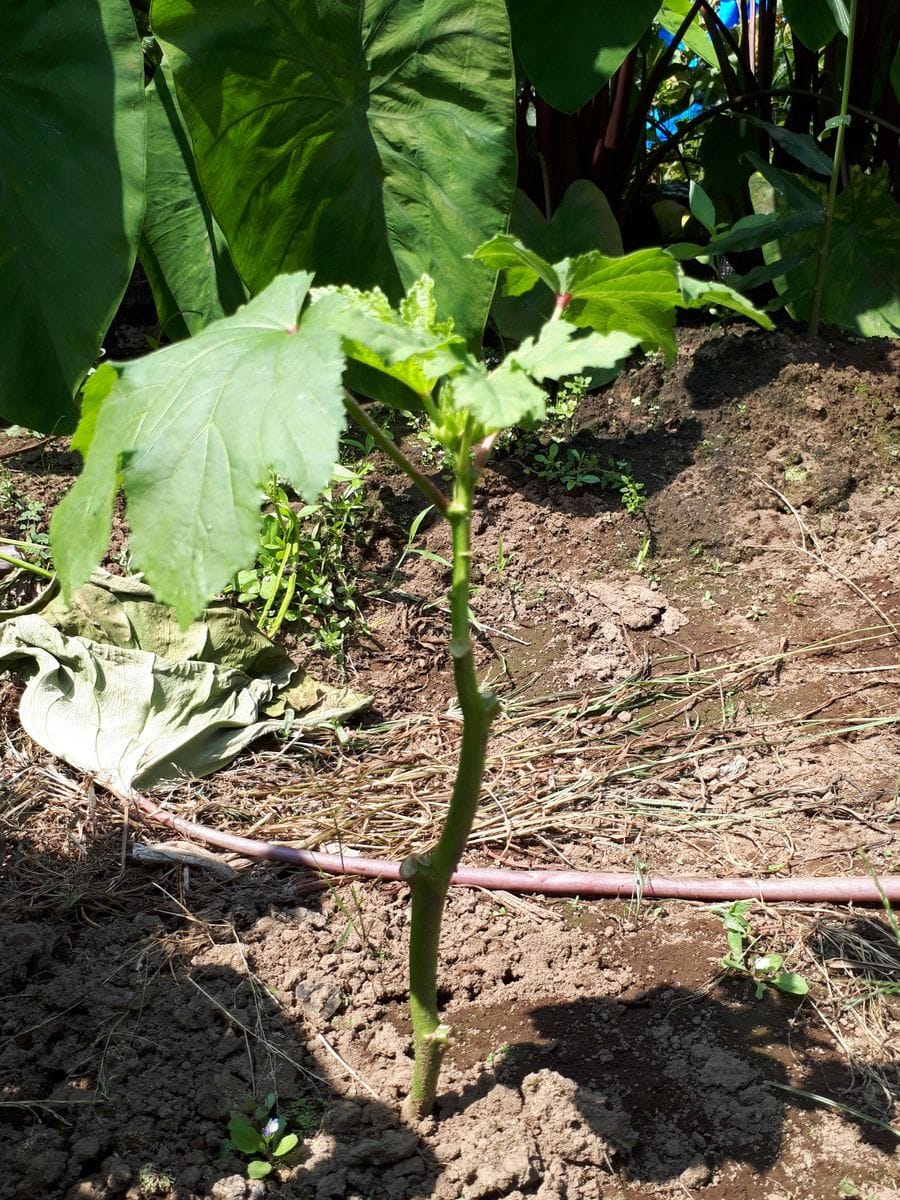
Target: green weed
[(765, 970), (304, 572), (579, 469), (255, 1133), (153, 1182)]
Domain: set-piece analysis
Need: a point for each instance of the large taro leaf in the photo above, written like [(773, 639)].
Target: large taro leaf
[(812, 21), (570, 50), (862, 279), (371, 141), (193, 430), (183, 251), (71, 194)]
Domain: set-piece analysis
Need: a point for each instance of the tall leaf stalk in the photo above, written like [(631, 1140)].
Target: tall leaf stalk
[(842, 121)]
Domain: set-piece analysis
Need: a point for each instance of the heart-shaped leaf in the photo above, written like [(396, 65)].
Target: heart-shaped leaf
[(569, 51), (370, 141)]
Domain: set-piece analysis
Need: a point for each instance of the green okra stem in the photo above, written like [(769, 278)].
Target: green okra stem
[(429, 876)]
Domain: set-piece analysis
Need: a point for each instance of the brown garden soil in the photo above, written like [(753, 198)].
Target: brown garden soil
[(731, 708)]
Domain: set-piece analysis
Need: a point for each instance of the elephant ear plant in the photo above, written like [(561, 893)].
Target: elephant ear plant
[(193, 430)]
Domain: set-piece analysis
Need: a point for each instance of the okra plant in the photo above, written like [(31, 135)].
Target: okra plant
[(192, 432)]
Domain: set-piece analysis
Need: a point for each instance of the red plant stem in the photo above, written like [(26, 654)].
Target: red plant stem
[(817, 889)]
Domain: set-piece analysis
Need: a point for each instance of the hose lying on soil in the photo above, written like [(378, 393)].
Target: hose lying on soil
[(821, 889)]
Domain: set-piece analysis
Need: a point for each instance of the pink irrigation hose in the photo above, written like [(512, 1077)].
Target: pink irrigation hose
[(821, 889)]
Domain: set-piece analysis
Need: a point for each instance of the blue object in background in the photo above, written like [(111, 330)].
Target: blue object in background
[(661, 131), (729, 12)]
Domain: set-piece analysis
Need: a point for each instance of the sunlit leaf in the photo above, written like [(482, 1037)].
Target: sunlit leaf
[(695, 37), (583, 221), (523, 266), (183, 251), (862, 280), (791, 984), (369, 141), (703, 293), (194, 430), (562, 349), (501, 398), (397, 354), (637, 294)]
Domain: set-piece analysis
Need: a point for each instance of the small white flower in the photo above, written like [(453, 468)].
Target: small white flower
[(270, 1128)]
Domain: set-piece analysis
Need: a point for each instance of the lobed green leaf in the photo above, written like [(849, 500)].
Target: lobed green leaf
[(637, 294), (407, 346), (194, 430), (562, 349)]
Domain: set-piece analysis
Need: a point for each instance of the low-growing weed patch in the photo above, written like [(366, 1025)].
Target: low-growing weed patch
[(305, 572)]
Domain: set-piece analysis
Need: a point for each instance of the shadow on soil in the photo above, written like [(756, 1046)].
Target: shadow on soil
[(675, 1082), (131, 1023)]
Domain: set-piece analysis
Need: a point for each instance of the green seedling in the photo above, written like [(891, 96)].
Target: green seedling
[(28, 515), (293, 356), (501, 562), (579, 469), (256, 1133), (646, 545), (561, 410), (497, 1056), (151, 1181), (765, 970)]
